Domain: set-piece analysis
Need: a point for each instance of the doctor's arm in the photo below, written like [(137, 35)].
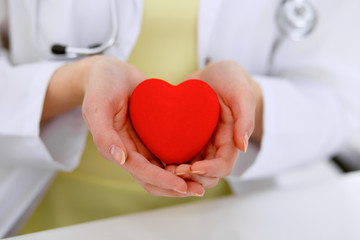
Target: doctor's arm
[(312, 102)]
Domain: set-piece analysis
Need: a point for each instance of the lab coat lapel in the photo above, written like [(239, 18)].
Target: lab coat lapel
[(237, 30), (130, 19), (208, 10)]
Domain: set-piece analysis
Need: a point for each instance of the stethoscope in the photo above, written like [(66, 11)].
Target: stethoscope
[(62, 52), (295, 20)]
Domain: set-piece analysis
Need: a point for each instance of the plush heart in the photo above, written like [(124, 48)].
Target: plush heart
[(174, 122)]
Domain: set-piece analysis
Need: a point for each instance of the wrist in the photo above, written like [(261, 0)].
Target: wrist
[(66, 88), (83, 69)]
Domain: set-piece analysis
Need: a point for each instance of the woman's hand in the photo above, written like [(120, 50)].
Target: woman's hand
[(104, 85), (240, 101)]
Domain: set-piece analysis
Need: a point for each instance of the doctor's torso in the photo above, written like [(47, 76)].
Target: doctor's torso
[(226, 29)]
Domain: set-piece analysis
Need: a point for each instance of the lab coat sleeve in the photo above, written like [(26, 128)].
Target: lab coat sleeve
[(55, 145), (312, 104)]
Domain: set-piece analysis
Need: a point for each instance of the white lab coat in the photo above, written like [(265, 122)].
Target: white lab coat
[(311, 104)]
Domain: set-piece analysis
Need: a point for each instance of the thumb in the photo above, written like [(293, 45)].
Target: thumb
[(100, 121), (243, 111)]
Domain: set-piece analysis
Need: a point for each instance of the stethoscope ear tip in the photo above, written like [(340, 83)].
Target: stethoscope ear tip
[(58, 49)]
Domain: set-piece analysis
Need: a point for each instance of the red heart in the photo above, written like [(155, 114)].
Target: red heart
[(174, 122)]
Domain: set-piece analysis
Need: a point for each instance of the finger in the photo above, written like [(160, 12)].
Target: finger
[(141, 169), (221, 166), (195, 189), (183, 170), (99, 117), (133, 142), (243, 111), (171, 168), (156, 191), (206, 182), (156, 162), (213, 168)]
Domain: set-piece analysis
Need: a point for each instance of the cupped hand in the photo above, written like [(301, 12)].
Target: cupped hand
[(108, 87), (238, 95)]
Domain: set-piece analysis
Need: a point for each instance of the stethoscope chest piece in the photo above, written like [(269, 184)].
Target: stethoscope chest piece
[(296, 19)]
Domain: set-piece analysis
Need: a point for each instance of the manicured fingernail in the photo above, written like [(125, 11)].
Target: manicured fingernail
[(198, 194), (198, 172), (246, 142), (180, 173), (179, 191), (118, 154)]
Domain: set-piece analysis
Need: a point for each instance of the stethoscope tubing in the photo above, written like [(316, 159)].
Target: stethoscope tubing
[(60, 51), (106, 45), (290, 31), (290, 28)]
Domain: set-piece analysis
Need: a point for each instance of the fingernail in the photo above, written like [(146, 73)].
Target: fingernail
[(118, 154), (179, 191), (197, 172), (246, 142), (180, 173), (198, 194)]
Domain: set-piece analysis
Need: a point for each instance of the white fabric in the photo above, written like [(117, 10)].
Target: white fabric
[(23, 90), (31, 182), (310, 106)]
